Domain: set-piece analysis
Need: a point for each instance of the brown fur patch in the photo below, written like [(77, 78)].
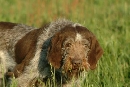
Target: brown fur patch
[(95, 53), (7, 25), (25, 50)]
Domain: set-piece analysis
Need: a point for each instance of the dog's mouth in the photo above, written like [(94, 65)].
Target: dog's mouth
[(76, 69), (74, 72)]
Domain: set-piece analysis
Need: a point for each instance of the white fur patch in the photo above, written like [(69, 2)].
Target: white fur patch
[(6, 62), (2, 64), (78, 37), (29, 72), (76, 24)]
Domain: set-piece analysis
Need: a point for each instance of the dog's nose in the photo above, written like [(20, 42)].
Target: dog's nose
[(76, 62)]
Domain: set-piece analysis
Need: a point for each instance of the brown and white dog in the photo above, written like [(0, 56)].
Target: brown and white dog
[(62, 48)]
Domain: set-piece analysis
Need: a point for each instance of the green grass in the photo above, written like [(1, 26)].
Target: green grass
[(109, 20)]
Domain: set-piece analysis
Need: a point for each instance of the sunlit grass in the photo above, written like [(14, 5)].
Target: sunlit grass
[(109, 20)]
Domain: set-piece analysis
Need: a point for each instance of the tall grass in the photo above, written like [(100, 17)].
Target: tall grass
[(109, 20)]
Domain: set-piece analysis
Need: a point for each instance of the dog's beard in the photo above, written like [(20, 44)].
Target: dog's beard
[(71, 71), (68, 69)]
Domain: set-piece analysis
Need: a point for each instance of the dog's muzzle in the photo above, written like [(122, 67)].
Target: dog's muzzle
[(76, 65)]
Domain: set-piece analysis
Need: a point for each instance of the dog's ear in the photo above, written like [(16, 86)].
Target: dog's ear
[(54, 54), (95, 53)]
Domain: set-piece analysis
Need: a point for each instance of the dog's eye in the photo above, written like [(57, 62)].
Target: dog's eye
[(86, 45), (68, 44)]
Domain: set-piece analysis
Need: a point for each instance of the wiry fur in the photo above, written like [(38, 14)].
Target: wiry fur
[(42, 64), (8, 39)]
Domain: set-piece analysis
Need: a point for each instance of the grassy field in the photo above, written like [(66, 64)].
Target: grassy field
[(109, 20)]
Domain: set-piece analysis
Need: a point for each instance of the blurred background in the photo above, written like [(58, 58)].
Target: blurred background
[(109, 20)]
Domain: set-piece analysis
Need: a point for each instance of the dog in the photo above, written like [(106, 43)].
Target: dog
[(61, 49)]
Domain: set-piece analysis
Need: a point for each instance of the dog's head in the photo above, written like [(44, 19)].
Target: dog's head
[(74, 49)]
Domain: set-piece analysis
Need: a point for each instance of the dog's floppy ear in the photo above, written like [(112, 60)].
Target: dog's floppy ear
[(54, 53), (95, 53)]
